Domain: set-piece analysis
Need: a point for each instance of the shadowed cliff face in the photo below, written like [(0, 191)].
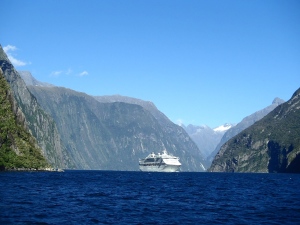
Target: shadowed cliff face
[(113, 135), (39, 123), (269, 145), (278, 157)]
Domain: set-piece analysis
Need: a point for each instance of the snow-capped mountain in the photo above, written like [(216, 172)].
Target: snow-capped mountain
[(205, 137), (223, 127)]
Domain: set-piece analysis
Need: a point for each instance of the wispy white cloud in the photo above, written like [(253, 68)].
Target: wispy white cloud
[(69, 71), (9, 48), (56, 73), (84, 73), (16, 62), (61, 72)]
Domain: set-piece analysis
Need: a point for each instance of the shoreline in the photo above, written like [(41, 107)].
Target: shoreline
[(31, 170)]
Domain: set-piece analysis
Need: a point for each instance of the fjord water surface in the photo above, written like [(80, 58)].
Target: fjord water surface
[(112, 197)]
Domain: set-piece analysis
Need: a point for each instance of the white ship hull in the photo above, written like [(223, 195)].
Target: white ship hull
[(163, 168)]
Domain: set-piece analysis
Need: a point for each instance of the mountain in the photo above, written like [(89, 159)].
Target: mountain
[(30, 80), (272, 144), (205, 137), (112, 133), (18, 148), (147, 105), (165, 123), (39, 123), (246, 122)]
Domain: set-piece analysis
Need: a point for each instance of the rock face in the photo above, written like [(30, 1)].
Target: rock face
[(272, 144), (30, 80), (18, 148), (39, 123), (110, 134), (245, 123), (147, 105)]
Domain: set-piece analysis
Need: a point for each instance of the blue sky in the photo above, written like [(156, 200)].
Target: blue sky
[(199, 62)]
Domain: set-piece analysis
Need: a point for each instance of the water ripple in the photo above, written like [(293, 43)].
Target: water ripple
[(106, 197)]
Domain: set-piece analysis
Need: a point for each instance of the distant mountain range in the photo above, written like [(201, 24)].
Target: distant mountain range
[(205, 137), (113, 132), (75, 130), (271, 144)]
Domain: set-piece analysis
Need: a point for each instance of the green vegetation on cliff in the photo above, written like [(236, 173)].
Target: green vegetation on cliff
[(37, 121), (17, 147)]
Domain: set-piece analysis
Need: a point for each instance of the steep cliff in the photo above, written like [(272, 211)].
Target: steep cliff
[(113, 135), (40, 124), (18, 148), (183, 141), (272, 144)]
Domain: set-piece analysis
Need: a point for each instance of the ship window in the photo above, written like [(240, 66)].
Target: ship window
[(149, 160)]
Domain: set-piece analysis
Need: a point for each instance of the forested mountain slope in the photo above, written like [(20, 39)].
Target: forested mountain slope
[(18, 149)]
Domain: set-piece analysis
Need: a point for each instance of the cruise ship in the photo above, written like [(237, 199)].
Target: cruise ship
[(160, 163)]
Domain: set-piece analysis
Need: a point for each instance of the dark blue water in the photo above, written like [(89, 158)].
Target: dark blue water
[(106, 197)]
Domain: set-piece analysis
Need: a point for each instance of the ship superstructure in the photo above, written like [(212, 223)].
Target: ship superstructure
[(160, 163)]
